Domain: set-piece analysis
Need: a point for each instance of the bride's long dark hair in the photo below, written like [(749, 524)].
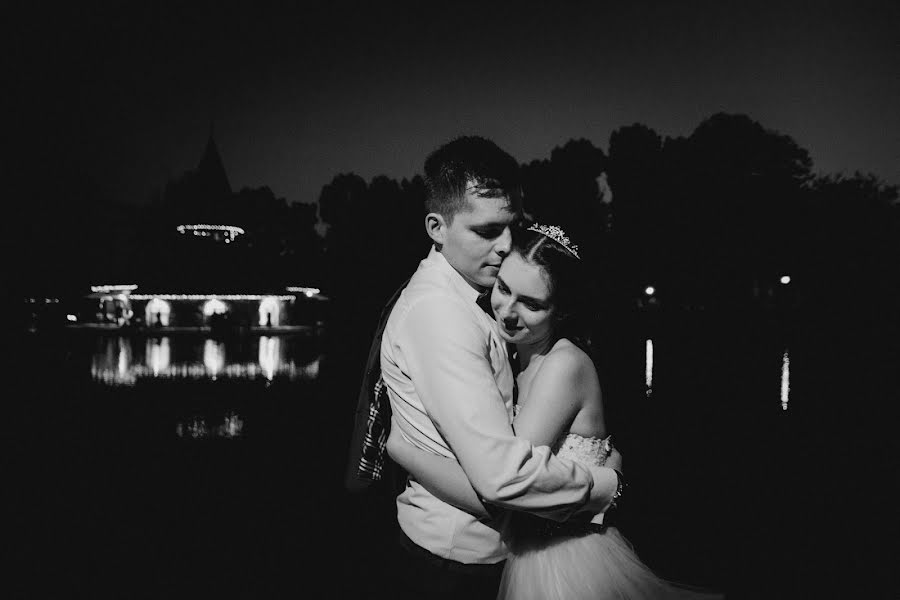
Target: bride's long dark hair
[(571, 291)]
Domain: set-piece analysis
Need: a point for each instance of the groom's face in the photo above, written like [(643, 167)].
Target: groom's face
[(478, 238)]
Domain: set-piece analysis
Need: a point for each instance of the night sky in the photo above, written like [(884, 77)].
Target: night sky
[(296, 96), (124, 95)]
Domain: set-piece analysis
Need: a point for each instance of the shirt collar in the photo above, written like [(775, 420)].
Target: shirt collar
[(458, 281)]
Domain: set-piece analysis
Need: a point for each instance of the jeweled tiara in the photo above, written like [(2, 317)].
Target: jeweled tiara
[(557, 235)]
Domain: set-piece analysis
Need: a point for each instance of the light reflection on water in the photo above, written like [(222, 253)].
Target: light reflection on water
[(785, 373), (159, 355), (196, 427), (116, 363), (785, 379), (269, 353), (213, 357)]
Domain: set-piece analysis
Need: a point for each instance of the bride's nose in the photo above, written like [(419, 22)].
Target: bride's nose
[(505, 313)]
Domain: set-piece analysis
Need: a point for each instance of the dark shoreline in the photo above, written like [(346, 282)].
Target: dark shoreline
[(728, 491)]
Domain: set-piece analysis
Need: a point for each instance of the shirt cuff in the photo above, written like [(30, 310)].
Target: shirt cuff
[(605, 484)]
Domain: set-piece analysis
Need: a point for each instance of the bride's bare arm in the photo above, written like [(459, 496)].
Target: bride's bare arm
[(441, 476), (566, 385), (566, 381)]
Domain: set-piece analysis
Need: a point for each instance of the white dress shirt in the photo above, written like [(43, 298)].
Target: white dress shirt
[(450, 387)]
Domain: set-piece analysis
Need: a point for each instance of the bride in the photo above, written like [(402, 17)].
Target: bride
[(537, 304)]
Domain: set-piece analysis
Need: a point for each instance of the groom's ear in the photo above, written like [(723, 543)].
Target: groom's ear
[(435, 226)]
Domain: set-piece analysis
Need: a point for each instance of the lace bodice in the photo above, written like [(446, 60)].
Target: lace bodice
[(591, 450), (585, 450), (528, 530)]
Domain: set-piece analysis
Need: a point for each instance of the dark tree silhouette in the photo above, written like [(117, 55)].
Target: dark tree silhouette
[(710, 216), (848, 246), (375, 234), (746, 185), (635, 174), (66, 230), (341, 206), (565, 189)]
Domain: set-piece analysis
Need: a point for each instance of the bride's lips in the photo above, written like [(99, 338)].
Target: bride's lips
[(510, 330)]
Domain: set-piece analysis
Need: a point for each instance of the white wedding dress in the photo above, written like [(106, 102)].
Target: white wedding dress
[(551, 562)]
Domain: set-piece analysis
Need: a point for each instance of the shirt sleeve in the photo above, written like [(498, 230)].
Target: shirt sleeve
[(448, 358)]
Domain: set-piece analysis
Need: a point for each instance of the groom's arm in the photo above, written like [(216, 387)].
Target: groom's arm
[(449, 366), (441, 476)]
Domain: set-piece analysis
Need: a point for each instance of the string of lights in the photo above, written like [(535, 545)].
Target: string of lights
[(291, 297), (228, 232), (234, 230), (110, 288)]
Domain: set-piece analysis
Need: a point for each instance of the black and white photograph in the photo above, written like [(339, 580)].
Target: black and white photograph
[(478, 301)]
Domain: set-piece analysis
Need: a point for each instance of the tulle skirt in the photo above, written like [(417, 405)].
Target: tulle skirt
[(595, 565)]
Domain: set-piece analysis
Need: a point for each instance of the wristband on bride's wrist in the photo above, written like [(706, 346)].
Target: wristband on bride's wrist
[(620, 487)]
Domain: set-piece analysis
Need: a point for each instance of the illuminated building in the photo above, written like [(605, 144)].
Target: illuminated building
[(118, 306), (200, 269)]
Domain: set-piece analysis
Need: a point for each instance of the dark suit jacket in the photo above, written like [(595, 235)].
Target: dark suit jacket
[(393, 477)]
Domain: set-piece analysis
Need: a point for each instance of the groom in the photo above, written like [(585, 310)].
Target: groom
[(450, 386)]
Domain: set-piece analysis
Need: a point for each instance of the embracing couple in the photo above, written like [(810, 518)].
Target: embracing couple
[(495, 406)]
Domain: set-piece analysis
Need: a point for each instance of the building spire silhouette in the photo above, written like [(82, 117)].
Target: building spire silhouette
[(211, 171)]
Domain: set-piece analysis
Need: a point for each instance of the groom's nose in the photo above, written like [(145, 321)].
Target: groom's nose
[(504, 242)]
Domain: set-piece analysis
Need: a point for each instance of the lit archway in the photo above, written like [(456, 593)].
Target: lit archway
[(269, 312), (214, 306), (157, 312)]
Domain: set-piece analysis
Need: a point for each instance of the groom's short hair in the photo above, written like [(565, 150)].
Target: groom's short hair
[(450, 169)]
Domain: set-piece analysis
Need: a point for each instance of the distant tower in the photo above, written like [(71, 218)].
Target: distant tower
[(205, 194), (210, 172), (201, 194)]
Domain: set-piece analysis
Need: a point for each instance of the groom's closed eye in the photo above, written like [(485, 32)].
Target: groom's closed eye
[(489, 233)]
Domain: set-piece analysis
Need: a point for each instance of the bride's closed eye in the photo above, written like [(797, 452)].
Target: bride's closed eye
[(532, 305)]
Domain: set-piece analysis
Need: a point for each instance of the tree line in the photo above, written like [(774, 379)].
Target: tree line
[(711, 218)]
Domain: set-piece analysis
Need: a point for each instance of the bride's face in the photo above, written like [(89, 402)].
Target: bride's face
[(522, 302)]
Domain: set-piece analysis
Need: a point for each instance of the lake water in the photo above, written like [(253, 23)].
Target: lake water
[(186, 465)]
